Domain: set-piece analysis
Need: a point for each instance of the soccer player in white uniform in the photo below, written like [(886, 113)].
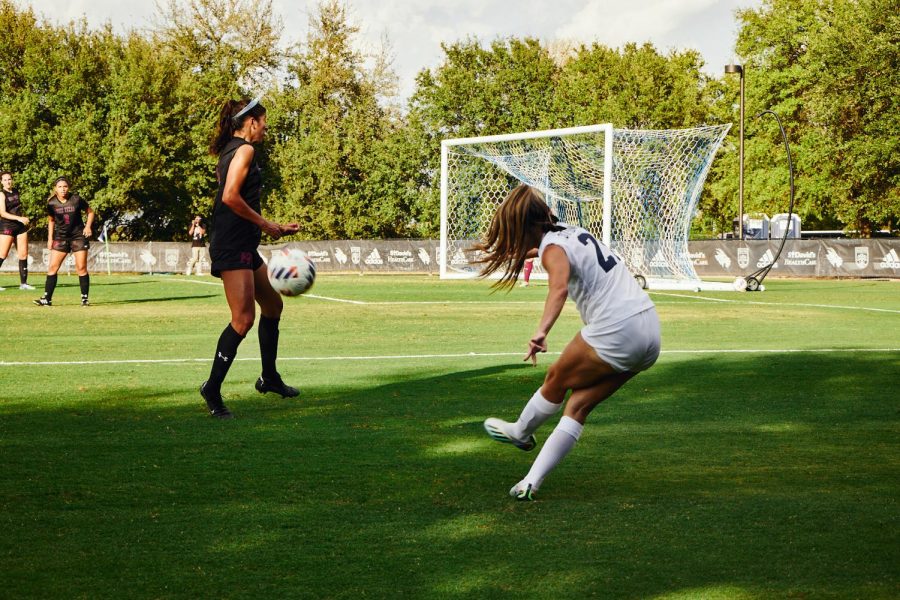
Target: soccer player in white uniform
[(620, 337)]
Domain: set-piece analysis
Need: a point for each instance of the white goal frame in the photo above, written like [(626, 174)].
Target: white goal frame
[(686, 278)]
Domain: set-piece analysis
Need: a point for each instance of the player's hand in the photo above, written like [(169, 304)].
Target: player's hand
[(289, 228), (272, 229), (87, 231), (536, 344), (24, 221)]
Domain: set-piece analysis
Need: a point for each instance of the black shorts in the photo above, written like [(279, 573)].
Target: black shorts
[(233, 260), (73, 244), (12, 228)]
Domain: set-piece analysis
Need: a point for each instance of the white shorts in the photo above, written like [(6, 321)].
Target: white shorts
[(629, 345)]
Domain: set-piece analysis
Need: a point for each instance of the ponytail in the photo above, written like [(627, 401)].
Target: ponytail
[(231, 118)]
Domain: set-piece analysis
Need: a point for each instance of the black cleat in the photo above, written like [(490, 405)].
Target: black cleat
[(277, 386), (43, 302), (84, 301), (215, 405)]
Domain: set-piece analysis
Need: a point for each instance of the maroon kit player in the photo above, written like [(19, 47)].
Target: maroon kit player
[(236, 230), (13, 228), (67, 232)]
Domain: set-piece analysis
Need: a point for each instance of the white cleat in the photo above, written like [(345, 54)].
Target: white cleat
[(523, 492), (25, 286), (499, 431)]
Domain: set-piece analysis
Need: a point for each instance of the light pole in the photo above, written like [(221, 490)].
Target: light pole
[(733, 68)]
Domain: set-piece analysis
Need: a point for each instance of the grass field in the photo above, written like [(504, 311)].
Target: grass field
[(758, 458)]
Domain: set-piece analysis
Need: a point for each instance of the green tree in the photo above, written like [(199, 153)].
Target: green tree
[(339, 157), (829, 70)]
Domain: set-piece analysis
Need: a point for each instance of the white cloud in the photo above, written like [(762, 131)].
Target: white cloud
[(416, 28), (617, 22)]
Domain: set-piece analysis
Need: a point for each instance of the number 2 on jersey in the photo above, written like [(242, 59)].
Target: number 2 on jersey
[(606, 262)]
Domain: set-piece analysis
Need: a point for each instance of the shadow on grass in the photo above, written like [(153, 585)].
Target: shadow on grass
[(158, 299), (725, 476)]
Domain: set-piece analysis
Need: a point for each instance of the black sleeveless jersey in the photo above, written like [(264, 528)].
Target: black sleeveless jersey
[(228, 230), (13, 205), (67, 216)]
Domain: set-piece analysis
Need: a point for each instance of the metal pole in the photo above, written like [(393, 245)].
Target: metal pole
[(741, 175), (739, 69)]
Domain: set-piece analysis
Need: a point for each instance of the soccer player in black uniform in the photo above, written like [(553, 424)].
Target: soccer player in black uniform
[(13, 226), (236, 229), (67, 232)]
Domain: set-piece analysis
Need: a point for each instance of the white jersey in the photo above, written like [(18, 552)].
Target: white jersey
[(603, 289)]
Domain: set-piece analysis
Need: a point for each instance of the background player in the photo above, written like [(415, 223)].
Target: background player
[(237, 227), (67, 232), (13, 227), (619, 339)]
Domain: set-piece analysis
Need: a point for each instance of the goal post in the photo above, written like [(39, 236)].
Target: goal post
[(637, 190)]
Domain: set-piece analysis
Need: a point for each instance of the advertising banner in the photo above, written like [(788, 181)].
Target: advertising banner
[(713, 258), (799, 258)]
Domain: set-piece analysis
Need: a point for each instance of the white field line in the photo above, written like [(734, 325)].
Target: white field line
[(217, 282), (495, 302), (150, 361), (775, 304)]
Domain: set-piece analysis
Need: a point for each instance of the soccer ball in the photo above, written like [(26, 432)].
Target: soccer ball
[(740, 284), (291, 272)]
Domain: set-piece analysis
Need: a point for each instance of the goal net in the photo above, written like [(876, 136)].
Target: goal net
[(637, 190)]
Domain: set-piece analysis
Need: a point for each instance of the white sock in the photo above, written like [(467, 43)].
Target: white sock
[(536, 411), (560, 442)]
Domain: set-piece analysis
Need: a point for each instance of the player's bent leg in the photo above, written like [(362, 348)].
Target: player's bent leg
[(584, 400), (271, 306), (577, 367), (239, 293)]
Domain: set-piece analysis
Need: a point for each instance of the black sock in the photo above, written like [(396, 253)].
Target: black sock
[(84, 281), (23, 270), (226, 350), (268, 346), (49, 286)]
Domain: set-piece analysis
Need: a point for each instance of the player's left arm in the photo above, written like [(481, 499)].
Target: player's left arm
[(556, 264), (90, 222)]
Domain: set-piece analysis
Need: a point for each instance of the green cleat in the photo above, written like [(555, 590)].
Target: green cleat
[(523, 492)]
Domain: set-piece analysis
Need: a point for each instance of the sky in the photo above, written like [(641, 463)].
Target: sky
[(416, 28)]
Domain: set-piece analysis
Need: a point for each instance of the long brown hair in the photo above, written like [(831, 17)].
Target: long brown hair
[(228, 124), (517, 227)]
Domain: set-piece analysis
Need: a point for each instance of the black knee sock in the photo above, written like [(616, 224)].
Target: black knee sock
[(49, 286), (84, 282), (268, 346), (226, 350), (23, 270)]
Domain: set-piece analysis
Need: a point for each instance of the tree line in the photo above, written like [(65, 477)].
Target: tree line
[(128, 116)]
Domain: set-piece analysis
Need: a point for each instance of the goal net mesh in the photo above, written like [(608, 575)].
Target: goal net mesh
[(657, 176)]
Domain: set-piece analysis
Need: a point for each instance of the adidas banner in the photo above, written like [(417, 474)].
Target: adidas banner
[(713, 258), (799, 258)]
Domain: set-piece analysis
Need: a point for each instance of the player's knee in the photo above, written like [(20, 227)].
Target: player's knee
[(242, 324)]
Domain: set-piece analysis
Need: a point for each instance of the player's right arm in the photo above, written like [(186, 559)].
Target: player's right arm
[(556, 264), (51, 224)]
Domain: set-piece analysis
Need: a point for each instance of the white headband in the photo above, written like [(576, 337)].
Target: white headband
[(247, 108)]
